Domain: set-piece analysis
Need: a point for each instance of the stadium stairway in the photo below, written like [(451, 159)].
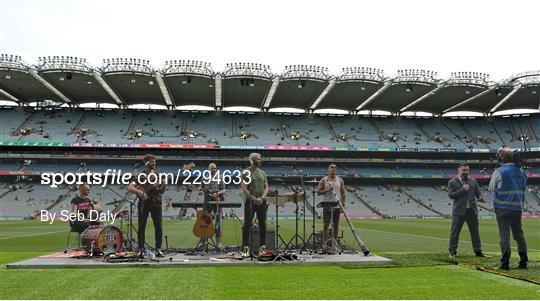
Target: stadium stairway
[(449, 128), (531, 130), (5, 190), (379, 132), (497, 133), (419, 202), (367, 205), (127, 133), (234, 127), (428, 136), (472, 137), (333, 132), (283, 127), (60, 198), (511, 129), (24, 123), (77, 126), (535, 196)]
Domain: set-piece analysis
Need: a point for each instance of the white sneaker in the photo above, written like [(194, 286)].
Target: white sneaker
[(262, 250), (245, 252)]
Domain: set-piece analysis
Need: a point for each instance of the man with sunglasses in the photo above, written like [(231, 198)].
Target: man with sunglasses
[(332, 188)]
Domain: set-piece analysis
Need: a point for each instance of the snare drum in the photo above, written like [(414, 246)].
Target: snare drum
[(99, 239)]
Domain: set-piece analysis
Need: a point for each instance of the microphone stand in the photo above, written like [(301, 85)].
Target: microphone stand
[(304, 244), (313, 236)]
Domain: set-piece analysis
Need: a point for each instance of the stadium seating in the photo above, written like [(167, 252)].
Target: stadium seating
[(222, 128)]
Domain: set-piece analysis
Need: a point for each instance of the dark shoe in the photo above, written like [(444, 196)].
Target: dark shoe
[(140, 254), (522, 266), (452, 257), (159, 253), (482, 255), (502, 267)]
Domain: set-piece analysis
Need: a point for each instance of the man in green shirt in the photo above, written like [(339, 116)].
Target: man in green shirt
[(255, 188)]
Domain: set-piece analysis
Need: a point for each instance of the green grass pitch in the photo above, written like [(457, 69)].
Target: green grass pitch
[(418, 248)]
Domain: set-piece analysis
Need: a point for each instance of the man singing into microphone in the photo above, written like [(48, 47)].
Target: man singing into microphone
[(464, 191)]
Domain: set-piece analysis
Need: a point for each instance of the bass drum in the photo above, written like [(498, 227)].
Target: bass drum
[(99, 239)]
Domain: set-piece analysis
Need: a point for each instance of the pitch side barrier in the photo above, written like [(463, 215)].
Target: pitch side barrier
[(278, 159), (246, 147)]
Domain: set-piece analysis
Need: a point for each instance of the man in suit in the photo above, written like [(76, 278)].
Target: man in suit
[(464, 191)]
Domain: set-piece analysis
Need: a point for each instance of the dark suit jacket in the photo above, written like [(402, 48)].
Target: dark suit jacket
[(460, 196)]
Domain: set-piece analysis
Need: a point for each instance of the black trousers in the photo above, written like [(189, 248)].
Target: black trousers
[(471, 219), (250, 209), (156, 213), (511, 221)]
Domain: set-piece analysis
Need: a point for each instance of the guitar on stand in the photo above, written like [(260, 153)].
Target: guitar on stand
[(204, 225)]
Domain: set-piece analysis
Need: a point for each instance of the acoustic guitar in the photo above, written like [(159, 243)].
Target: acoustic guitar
[(204, 225), (151, 193)]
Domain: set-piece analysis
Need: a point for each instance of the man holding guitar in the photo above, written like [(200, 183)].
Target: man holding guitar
[(214, 192), (149, 202)]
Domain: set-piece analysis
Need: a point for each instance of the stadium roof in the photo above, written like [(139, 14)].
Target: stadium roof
[(125, 82)]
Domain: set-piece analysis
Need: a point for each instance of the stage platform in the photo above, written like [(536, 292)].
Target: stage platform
[(183, 260)]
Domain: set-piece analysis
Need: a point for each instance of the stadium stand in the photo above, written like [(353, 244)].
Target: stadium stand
[(257, 129)]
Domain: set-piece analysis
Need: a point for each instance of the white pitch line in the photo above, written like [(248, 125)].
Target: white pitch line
[(35, 234), (439, 238)]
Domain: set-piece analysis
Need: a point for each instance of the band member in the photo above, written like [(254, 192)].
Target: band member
[(508, 184), (149, 202), (255, 202), (81, 203), (464, 191), (332, 188), (214, 191)]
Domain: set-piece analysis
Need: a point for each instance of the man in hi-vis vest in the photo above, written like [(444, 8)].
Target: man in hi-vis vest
[(508, 184)]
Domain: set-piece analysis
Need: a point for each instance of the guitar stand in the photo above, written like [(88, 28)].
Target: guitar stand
[(204, 243)]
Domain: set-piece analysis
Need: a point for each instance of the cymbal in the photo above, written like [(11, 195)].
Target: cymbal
[(280, 201), (114, 203), (300, 197), (286, 198)]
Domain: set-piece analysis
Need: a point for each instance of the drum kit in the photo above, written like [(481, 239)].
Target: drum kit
[(314, 241), (299, 198), (110, 240), (102, 240)]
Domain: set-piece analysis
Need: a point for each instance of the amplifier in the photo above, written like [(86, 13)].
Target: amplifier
[(270, 239)]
